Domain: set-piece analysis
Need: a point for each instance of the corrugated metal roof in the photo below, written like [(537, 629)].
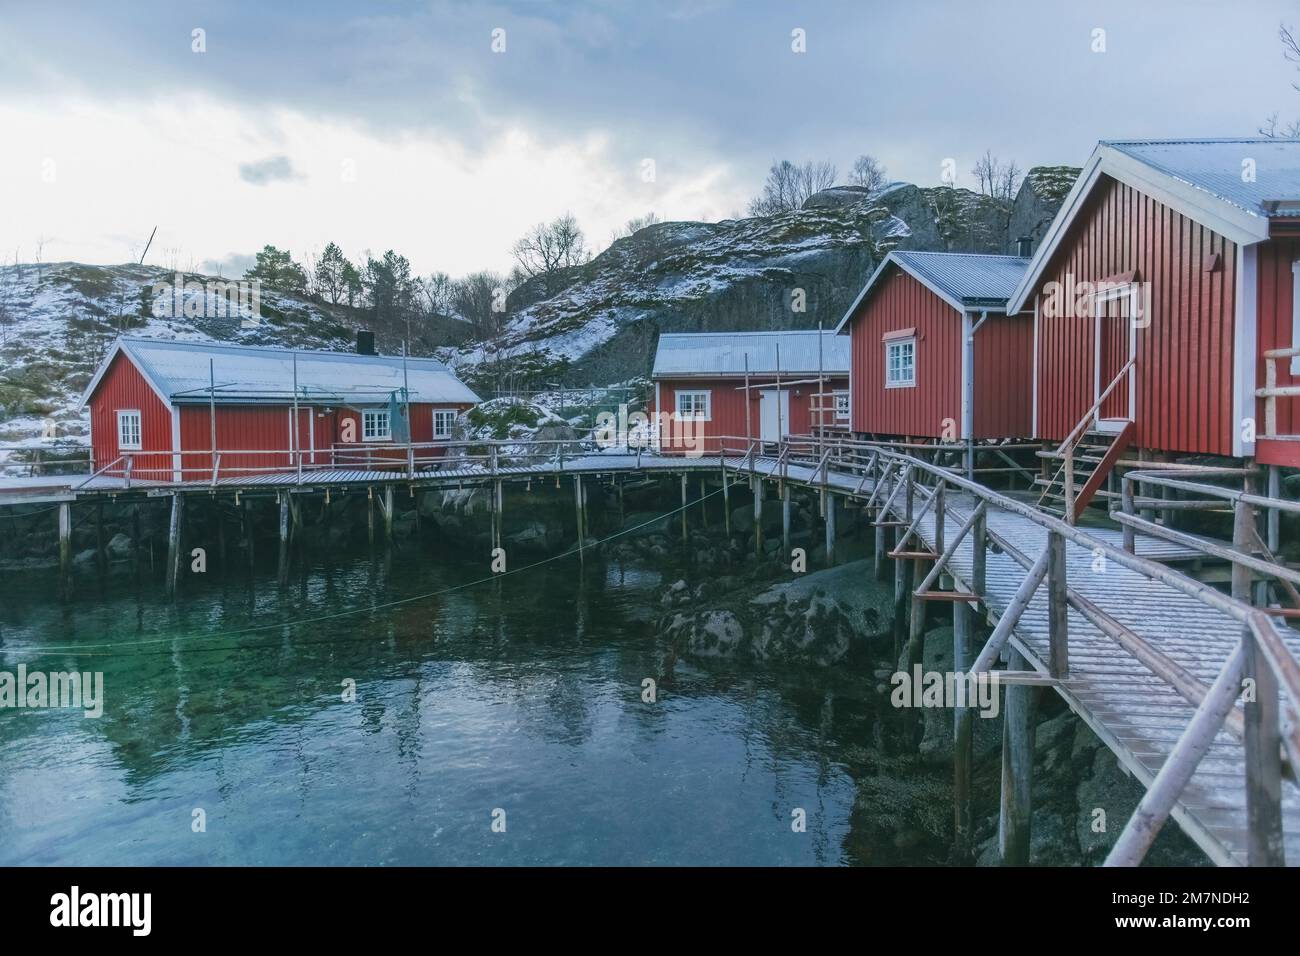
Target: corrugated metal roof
[(245, 373), (724, 353), (1251, 173), (966, 277)]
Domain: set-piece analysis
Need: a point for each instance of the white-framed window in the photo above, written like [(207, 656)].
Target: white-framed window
[(443, 419), (694, 406), (128, 429), (900, 363), (375, 425), (841, 406)]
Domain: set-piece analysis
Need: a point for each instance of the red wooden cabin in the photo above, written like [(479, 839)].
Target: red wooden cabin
[(1167, 276), (152, 402), (747, 385), (934, 356)]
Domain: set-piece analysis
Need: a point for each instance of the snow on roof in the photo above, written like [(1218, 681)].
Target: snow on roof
[(179, 372), (1235, 187), (962, 279), (1253, 174), (725, 353)]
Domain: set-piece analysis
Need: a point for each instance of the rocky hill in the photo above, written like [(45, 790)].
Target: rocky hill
[(592, 324), (790, 270)]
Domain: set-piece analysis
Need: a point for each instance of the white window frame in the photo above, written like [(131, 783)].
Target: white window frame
[(696, 395), (836, 396), (890, 345), (371, 432), (1295, 315), (443, 414), (127, 414)]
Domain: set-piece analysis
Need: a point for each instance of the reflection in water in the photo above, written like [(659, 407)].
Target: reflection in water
[(523, 694)]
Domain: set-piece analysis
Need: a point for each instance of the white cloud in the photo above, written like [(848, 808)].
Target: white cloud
[(94, 178)]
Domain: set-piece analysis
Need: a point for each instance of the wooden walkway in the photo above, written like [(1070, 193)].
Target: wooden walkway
[(1137, 714)]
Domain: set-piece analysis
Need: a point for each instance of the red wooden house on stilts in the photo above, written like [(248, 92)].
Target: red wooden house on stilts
[(934, 355), (1165, 308), (159, 409), (710, 386)]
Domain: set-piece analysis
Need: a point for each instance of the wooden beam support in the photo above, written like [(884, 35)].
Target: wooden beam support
[(1016, 808)]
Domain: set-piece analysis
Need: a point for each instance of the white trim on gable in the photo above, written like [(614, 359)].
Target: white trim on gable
[(1227, 219), (119, 346), (1244, 348)]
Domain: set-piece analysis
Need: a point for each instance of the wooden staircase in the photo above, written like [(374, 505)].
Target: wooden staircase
[(1081, 471), (1086, 457)]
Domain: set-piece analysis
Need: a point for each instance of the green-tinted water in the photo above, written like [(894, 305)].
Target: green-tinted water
[(523, 694)]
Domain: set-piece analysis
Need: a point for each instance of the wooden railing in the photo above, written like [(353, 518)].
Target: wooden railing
[(1269, 727), (1065, 451), (1271, 391)]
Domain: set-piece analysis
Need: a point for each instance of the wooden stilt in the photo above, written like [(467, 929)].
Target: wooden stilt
[(284, 537), (65, 540), (704, 507), (726, 499), (248, 535), (1017, 766), (581, 514), (963, 737), (388, 512), (758, 517), (879, 554), (683, 507), (370, 515), (498, 512), (830, 531), (221, 534), (785, 518), (902, 591), (174, 553), (1057, 608)]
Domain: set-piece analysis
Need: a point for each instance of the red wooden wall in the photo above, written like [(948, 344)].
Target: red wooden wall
[(123, 387), (1184, 357), (1275, 283), (727, 406), (1004, 377)]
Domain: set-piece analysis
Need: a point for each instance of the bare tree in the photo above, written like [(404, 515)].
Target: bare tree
[(549, 247), (996, 178), (869, 172), (438, 292), (789, 186), (479, 298), (1291, 52), (7, 276)]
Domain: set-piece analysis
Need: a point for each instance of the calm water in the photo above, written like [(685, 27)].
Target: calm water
[(523, 694)]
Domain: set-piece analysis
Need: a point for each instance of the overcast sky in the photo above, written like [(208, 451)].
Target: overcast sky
[(397, 125)]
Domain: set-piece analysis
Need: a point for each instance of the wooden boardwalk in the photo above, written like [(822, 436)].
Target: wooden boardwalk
[(1137, 714)]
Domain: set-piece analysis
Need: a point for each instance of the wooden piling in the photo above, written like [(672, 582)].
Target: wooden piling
[(683, 507), (370, 515), (388, 512), (758, 517), (580, 508), (879, 553), (963, 736), (902, 591), (1018, 733), (726, 499), (785, 518), (65, 539), (248, 535), (830, 531), (174, 552), (284, 537)]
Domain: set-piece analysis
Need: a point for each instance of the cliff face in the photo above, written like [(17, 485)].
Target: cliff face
[(791, 270)]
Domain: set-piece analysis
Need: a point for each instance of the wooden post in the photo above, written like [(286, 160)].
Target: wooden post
[(65, 539), (1262, 737), (580, 514), (1017, 767), (684, 508), (726, 495), (1057, 607), (902, 589), (979, 536), (704, 506), (830, 531), (879, 553), (221, 535), (963, 737), (284, 536), (248, 535), (174, 531), (1126, 505), (785, 518), (370, 515), (1274, 525), (758, 516), (498, 512), (388, 512)]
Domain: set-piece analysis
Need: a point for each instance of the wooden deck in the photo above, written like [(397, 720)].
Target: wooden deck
[(1137, 714)]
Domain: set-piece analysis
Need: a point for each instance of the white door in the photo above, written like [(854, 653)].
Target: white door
[(772, 427)]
